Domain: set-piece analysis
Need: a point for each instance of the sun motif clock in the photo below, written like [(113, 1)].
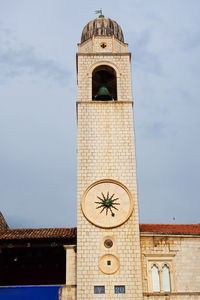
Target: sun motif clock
[(107, 203)]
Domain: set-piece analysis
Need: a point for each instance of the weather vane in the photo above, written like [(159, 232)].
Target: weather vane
[(100, 13)]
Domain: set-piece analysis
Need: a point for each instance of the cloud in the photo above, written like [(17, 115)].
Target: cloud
[(190, 40), (19, 60), (144, 58)]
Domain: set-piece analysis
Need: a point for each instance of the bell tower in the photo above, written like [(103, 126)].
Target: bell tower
[(108, 245)]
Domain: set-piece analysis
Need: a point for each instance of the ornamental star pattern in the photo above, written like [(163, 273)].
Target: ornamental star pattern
[(107, 203)]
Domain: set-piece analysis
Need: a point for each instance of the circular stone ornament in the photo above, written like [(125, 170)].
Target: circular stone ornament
[(108, 243), (109, 264), (107, 203)]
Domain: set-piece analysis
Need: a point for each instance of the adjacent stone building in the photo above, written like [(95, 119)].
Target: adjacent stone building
[(110, 255)]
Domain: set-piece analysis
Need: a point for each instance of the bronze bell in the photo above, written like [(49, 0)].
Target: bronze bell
[(103, 94)]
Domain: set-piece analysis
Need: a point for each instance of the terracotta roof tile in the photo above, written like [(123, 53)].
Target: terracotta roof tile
[(70, 233), (38, 233), (171, 228)]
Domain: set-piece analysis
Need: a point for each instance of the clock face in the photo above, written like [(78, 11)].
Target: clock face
[(107, 203)]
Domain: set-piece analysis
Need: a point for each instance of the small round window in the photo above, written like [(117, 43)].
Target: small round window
[(103, 45)]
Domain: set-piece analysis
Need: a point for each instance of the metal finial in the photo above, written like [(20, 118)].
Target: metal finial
[(100, 13)]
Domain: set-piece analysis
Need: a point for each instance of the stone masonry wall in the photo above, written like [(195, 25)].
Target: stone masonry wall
[(93, 45), (106, 150), (182, 254), (118, 61)]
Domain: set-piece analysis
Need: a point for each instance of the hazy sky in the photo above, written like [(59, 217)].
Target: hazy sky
[(38, 43)]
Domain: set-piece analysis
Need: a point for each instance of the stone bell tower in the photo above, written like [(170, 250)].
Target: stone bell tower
[(108, 245)]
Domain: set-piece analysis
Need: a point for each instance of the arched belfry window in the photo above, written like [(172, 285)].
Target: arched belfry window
[(104, 84)]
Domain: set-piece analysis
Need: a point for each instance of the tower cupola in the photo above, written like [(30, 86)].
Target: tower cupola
[(102, 27)]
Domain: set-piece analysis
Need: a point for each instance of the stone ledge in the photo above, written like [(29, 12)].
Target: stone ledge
[(169, 235), (104, 54), (172, 294), (69, 246), (106, 102)]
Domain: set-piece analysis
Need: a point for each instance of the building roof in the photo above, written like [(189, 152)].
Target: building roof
[(102, 27), (3, 223), (70, 233), (38, 233), (193, 229)]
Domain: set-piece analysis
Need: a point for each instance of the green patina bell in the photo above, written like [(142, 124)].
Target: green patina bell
[(103, 94)]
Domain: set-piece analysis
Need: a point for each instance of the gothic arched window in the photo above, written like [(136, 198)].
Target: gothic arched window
[(104, 84), (166, 279), (155, 279)]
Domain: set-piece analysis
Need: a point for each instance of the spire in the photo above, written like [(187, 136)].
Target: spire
[(3, 223)]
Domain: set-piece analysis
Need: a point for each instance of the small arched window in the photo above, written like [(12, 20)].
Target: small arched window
[(104, 84), (166, 279), (155, 279)]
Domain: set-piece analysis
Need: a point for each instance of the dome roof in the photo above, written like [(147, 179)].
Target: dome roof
[(102, 26)]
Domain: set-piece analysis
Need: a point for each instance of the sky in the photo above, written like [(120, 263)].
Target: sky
[(38, 90)]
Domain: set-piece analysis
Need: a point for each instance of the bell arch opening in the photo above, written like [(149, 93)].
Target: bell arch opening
[(104, 84)]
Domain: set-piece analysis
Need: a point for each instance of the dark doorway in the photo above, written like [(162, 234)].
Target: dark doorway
[(32, 266)]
